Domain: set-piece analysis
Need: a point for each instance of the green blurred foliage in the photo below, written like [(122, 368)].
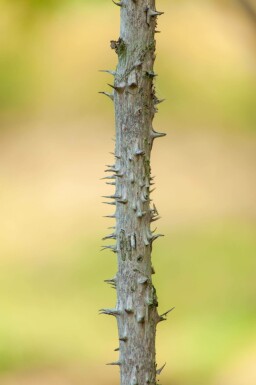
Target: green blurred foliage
[(194, 76), (50, 286), (45, 307)]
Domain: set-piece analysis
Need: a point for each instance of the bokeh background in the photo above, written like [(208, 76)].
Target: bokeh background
[(55, 137)]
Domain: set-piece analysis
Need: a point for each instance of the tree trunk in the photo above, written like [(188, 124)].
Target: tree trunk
[(135, 106)]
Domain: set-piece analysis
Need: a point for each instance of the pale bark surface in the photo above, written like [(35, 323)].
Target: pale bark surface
[(135, 105)]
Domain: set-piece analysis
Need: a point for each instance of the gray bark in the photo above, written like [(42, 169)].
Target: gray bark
[(135, 105)]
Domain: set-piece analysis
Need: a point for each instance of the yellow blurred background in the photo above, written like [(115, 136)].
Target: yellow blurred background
[(55, 137)]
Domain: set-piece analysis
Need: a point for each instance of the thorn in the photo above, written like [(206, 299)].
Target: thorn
[(113, 312), (151, 74), (155, 134), (158, 372), (109, 203), (113, 169), (155, 219), (112, 248), (111, 96), (116, 350), (163, 316), (167, 312), (108, 177), (109, 72), (151, 13), (112, 286), (118, 88), (112, 196), (111, 236), (155, 209), (158, 101), (115, 363), (111, 183), (154, 237), (110, 216), (124, 338), (118, 4), (111, 281)]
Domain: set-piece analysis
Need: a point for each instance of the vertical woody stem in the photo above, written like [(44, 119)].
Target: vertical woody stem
[(135, 105)]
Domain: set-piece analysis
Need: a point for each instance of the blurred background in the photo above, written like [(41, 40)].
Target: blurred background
[(55, 137)]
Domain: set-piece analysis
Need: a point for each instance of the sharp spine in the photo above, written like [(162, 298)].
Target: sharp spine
[(117, 88), (111, 236), (115, 363), (163, 316), (159, 371), (110, 216), (109, 203), (112, 196), (156, 236), (109, 72), (111, 96), (120, 4), (158, 101), (109, 177), (110, 281), (112, 248), (113, 312), (155, 135), (152, 13)]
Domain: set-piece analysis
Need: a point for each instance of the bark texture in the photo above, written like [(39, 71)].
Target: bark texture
[(135, 105)]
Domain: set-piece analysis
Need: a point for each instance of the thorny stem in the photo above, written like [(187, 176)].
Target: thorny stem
[(135, 106)]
